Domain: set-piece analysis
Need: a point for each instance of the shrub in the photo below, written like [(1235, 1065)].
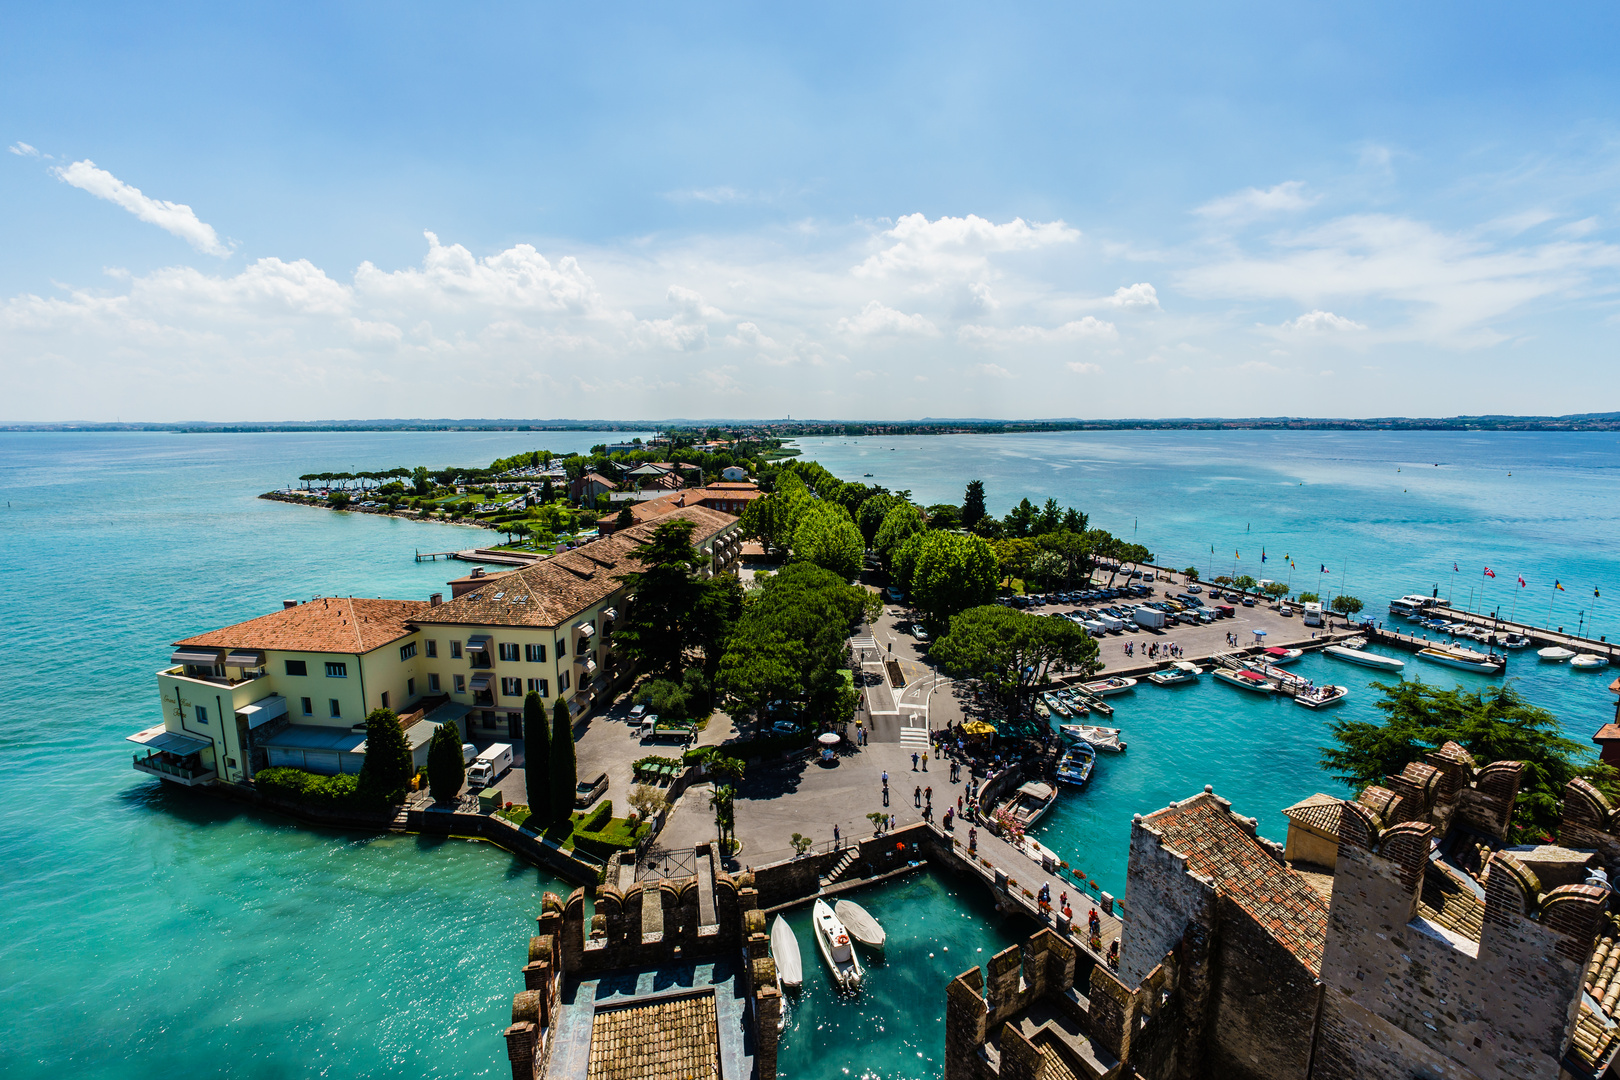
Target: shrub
[(598, 817), (308, 789), (331, 792), (283, 783)]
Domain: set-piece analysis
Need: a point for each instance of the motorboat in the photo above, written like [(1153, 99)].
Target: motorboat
[(1076, 764), (1249, 680), (1458, 657), (1098, 738), (1276, 655), (1556, 654), (1412, 605), (785, 952), (1056, 704), (860, 924), (1109, 687), (1515, 641), (836, 947), (1365, 659), (1030, 802), (1588, 662), (1179, 672), (1315, 697)]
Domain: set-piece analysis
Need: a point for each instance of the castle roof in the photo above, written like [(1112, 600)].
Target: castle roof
[(1207, 834), (1320, 812)]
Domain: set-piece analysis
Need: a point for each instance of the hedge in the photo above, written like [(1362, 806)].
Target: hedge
[(605, 845), (599, 816), (751, 749), (311, 789)]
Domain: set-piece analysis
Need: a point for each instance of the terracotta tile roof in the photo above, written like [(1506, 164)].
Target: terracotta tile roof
[(1607, 732), (1450, 902), (1320, 812), (660, 1040), (1204, 831), (557, 589), (333, 625)]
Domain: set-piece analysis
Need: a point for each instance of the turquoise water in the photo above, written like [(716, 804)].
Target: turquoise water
[(151, 932)]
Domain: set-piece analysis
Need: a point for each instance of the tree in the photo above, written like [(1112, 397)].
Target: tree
[(1307, 597), (1014, 557), (625, 518), (1346, 605), (1020, 520), (869, 516), (973, 504), (1244, 582), (900, 524), (726, 771), (536, 754), (647, 801), (876, 817), (1191, 573), (827, 537), (421, 480), (564, 772), (1493, 724), (801, 843), (1012, 653), (447, 770), (663, 601), (1275, 589), (944, 516), (388, 767), (338, 500), (945, 573)]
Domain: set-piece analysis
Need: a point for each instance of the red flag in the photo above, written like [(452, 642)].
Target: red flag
[(1489, 572), (1521, 581)]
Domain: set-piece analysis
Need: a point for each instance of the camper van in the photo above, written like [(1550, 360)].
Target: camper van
[(490, 765), (1313, 613)]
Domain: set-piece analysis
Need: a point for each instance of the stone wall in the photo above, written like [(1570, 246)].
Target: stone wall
[(1162, 899), (1264, 1004)]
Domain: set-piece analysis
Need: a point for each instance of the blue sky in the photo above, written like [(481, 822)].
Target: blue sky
[(866, 211)]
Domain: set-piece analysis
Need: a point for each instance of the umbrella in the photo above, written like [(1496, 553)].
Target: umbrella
[(978, 727), (1259, 633), (829, 738)]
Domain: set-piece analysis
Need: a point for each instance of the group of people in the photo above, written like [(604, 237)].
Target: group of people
[(1154, 649)]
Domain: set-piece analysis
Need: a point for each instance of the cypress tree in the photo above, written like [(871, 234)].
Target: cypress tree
[(388, 766), (447, 772), (536, 755), (563, 769)]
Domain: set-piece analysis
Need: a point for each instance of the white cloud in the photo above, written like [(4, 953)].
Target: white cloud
[(1084, 369), (722, 194), (994, 371), (1077, 330), (955, 246), (22, 149), (878, 318), (176, 218), (1322, 322), (451, 278), (749, 334), (1140, 295), (1254, 202)]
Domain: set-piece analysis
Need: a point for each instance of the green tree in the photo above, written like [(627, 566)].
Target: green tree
[(1014, 557), (1346, 605), (1013, 653), (388, 768), (973, 504), (871, 513), (827, 537), (900, 524), (726, 773), (774, 519), (1276, 590), (625, 519), (947, 573), (338, 500), (1020, 520), (564, 774), (1050, 518), (944, 516), (663, 600), (1244, 582), (536, 754), (1493, 724), (1305, 597), (1191, 573), (447, 772)]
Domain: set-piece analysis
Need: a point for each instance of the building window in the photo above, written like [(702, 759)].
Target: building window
[(297, 667), (455, 650), (309, 707), (432, 647), (538, 686), (535, 654), (562, 648), (433, 683), (562, 682), (337, 710), (385, 699), (509, 650), (410, 687), (337, 671), (511, 687), (407, 650), (202, 715), (461, 684)]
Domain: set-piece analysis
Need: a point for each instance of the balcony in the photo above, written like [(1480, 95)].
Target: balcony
[(179, 770)]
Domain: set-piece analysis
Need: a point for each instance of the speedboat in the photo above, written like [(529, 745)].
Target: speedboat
[(1098, 738), (1275, 655), (1076, 764), (785, 951), (1556, 654), (860, 924), (1588, 662), (834, 942), (1179, 671), (1109, 687), (1365, 659), (1030, 802), (1515, 641), (1249, 680), (1317, 696), (1458, 657)]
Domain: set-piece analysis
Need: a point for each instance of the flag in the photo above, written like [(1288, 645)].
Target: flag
[(1521, 581), (1489, 572), (1558, 585), (1454, 569), (1262, 554), (1237, 555), (1324, 568), (1595, 592)]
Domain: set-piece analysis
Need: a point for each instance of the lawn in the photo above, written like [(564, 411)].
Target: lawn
[(618, 831)]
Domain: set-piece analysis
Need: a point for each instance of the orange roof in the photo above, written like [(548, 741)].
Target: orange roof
[(338, 624), (1606, 733), (1318, 812), (1203, 830)]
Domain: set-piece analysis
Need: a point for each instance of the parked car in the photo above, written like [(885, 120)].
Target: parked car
[(636, 711), (918, 632)]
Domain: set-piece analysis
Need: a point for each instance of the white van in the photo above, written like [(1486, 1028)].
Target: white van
[(469, 753), (490, 765), (1312, 613)]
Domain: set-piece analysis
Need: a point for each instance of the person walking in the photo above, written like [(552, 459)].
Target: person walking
[(925, 761), (916, 796), (914, 761), (973, 839), (836, 837), (928, 793)]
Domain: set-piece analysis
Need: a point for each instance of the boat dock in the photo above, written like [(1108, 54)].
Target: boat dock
[(484, 555), (1539, 637)]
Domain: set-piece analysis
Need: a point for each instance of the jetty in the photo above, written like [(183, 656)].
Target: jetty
[(1540, 637), (491, 556)]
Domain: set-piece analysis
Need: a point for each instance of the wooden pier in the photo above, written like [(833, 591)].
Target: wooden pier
[(484, 555)]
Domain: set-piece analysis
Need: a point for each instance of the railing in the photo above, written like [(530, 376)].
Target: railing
[(156, 765)]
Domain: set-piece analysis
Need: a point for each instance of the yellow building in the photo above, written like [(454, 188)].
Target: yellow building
[(294, 687)]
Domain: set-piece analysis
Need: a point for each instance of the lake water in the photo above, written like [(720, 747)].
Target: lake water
[(151, 932)]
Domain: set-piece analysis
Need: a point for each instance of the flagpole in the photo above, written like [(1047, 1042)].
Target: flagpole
[(1553, 596), (1515, 605)]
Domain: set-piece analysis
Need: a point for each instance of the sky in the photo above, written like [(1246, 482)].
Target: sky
[(860, 211)]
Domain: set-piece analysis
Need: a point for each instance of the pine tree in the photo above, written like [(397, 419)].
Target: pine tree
[(973, 504), (447, 771), (388, 766), (564, 776), (536, 754)]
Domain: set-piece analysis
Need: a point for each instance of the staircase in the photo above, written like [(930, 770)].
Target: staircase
[(842, 866)]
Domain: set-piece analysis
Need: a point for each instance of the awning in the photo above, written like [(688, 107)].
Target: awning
[(587, 662), (585, 629), (245, 658), (481, 682), (610, 614), (264, 710), (194, 655), (173, 742), (576, 706), (479, 644)]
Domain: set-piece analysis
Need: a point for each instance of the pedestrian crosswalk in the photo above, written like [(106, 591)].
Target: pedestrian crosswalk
[(914, 737), (860, 643)]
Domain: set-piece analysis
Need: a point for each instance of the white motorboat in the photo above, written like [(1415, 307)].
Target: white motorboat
[(1276, 655), (785, 951), (837, 948), (860, 924), (1076, 764), (1365, 659), (1248, 680), (1515, 641), (1030, 803), (1466, 659), (1179, 672), (1556, 654), (1315, 697), (1098, 738), (1110, 687), (1588, 662)]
